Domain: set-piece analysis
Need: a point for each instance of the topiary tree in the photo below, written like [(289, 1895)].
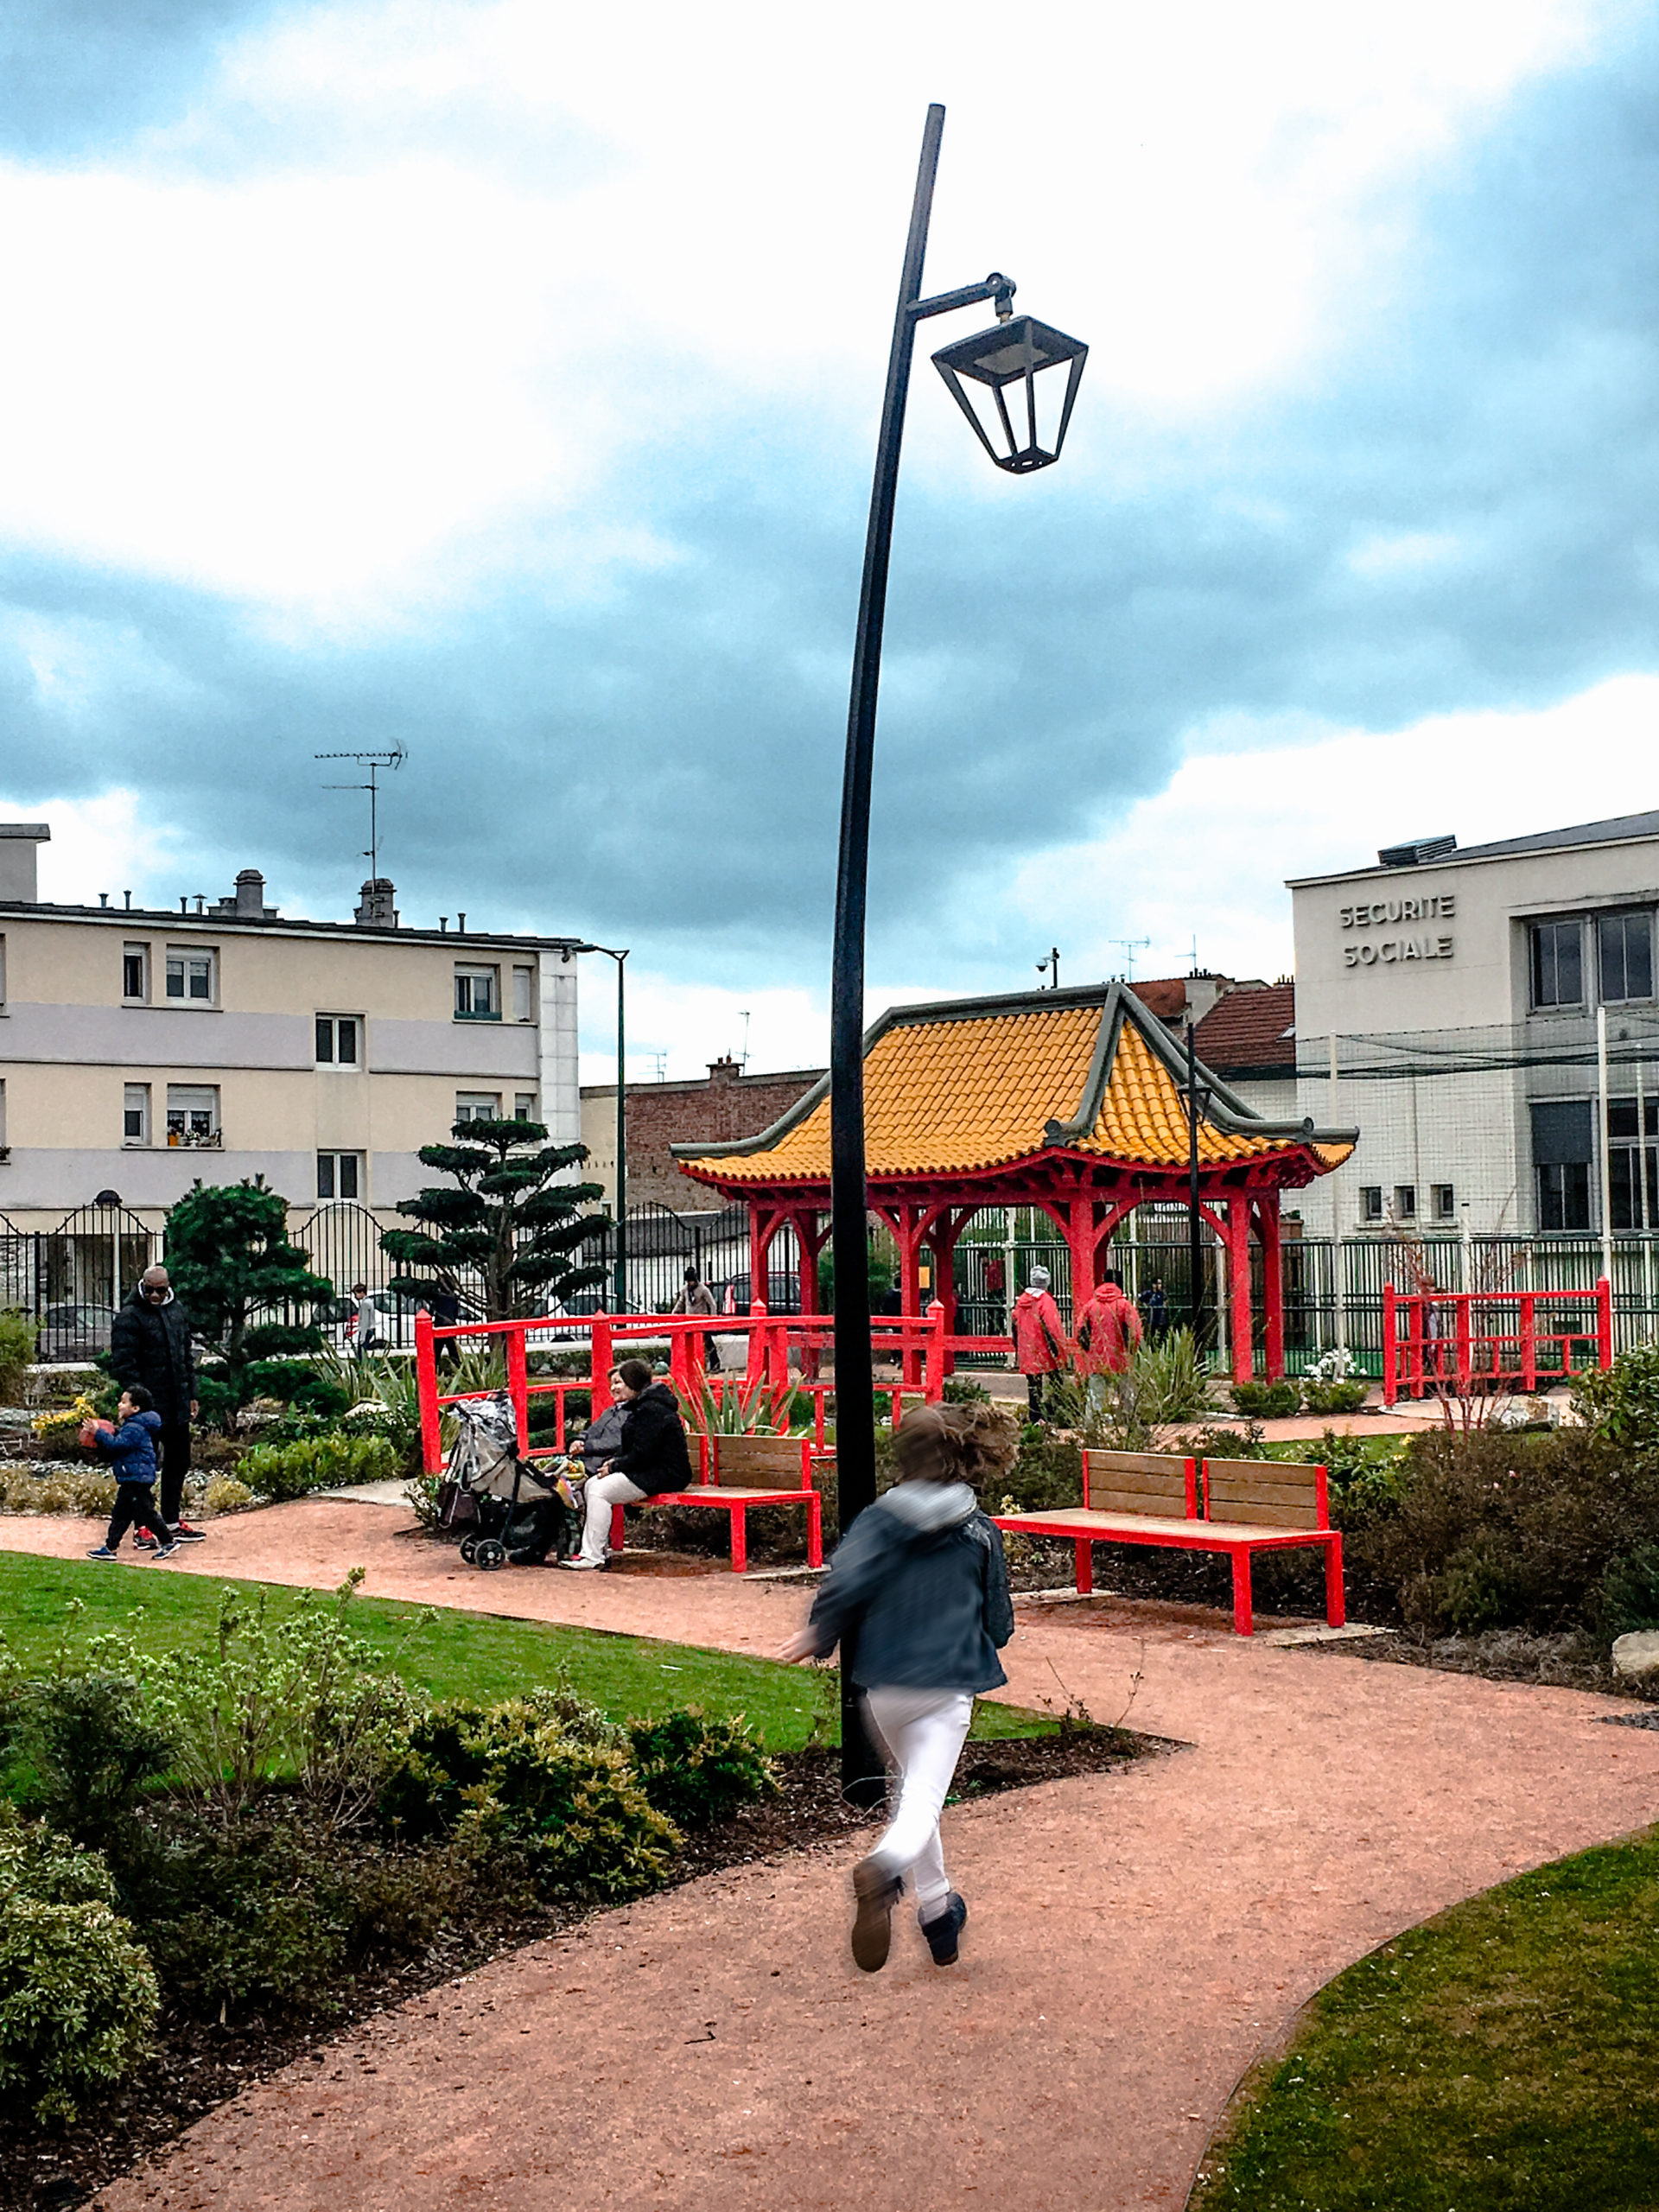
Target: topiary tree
[(502, 1238), (229, 1256)]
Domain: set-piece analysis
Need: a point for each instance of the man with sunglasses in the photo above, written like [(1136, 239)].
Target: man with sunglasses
[(149, 1345)]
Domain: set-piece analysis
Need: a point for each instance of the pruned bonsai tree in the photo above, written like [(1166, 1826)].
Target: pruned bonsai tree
[(233, 1269), (503, 1237)]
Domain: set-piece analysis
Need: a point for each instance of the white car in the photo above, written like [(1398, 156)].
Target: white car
[(394, 1327)]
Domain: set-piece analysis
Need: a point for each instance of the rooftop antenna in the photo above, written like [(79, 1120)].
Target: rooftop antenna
[(745, 1039), (1131, 945), (387, 757), (1195, 953), (661, 1059)]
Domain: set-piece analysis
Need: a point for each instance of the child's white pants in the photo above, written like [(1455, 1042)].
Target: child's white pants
[(922, 1732)]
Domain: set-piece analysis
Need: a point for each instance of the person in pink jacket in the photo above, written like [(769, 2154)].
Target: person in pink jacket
[(1039, 1344), (1109, 1330)]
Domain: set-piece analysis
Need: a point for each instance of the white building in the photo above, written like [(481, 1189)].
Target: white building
[(1449, 1002)]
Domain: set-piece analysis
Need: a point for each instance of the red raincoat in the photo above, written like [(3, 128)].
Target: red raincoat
[(1108, 1332), (1038, 1333)]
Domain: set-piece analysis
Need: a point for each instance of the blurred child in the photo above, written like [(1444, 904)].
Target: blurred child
[(131, 1450), (920, 1588)]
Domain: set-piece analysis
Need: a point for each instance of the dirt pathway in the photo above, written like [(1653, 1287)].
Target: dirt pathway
[(1135, 1939)]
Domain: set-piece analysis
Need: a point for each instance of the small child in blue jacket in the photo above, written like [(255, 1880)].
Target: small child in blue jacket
[(919, 1589), (131, 1450)]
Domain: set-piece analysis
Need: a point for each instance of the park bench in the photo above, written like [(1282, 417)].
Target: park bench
[(740, 1471), (1155, 1497)]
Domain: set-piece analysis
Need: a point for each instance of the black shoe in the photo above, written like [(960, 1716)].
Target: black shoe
[(944, 1928), (877, 1892), (184, 1534)]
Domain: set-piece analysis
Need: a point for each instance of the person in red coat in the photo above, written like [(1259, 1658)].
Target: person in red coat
[(1109, 1330), (1039, 1344)]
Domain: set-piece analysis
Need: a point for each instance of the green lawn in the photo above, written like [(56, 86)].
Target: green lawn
[(1500, 2058), (456, 1654)]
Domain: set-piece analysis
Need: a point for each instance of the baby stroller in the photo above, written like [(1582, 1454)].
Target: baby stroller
[(508, 1511)]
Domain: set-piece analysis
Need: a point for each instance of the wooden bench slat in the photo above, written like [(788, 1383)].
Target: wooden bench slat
[(1266, 1493), (1136, 1505), (1139, 1463), (1263, 1514), (1263, 1470)]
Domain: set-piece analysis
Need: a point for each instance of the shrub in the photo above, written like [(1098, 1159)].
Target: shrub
[(89, 1756), (226, 1495), (68, 1490), (697, 1770), (300, 1382), (509, 1775), (281, 1472), (1622, 1404), (16, 1354), (78, 1994), (1628, 1596), (1265, 1401), (1343, 1397), (963, 1390)]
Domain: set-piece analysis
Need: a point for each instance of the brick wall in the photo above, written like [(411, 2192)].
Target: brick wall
[(726, 1104)]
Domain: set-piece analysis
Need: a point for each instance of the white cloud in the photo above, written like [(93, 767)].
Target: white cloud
[(107, 845)]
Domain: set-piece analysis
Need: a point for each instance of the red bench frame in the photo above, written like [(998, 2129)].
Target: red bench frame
[(1239, 1540), (737, 1498)]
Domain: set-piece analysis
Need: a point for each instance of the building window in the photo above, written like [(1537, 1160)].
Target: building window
[(478, 1106), (1370, 1201), (340, 1038), (190, 978), (478, 995), (1405, 1202), (1562, 1151), (134, 974), (524, 994), (1624, 947), (192, 1116), (1557, 963), (524, 1106), (135, 1113), (340, 1175), (3, 971), (1445, 1202), (5, 1149), (1633, 1166)]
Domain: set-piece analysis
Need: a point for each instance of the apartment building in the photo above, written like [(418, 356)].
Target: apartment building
[(141, 1049)]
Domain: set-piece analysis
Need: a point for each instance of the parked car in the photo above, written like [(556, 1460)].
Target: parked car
[(75, 1332), (394, 1324)]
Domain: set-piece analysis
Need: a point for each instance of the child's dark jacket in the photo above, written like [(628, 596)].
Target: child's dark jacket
[(131, 1449), (920, 1582)]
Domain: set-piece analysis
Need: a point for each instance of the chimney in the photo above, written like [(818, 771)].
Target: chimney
[(18, 880), (725, 1069), (1203, 990), (377, 910), (247, 902)]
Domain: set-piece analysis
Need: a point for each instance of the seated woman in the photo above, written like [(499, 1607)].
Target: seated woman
[(652, 1458)]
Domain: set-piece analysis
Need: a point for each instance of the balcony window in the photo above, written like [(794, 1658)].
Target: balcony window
[(1624, 943), (478, 1106), (339, 1040), (478, 995), (192, 1116), (190, 978), (340, 1175), (135, 1113), (134, 974), (1557, 964)]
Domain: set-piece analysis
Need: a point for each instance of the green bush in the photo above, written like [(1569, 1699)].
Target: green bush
[(1621, 1405), (87, 1755), (1346, 1397), (66, 1490), (509, 1773), (299, 1383), (1628, 1597), (16, 1354), (963, 1390), (78, 1995), (282, 1472), (1265, 1401), (697, 1770)]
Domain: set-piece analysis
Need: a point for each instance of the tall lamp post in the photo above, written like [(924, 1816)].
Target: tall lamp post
[(983, 373), (619, 1279), (1196, 1098)]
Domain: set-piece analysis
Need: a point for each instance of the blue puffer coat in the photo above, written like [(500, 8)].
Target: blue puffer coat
[(920, 1584), (131, 1449)]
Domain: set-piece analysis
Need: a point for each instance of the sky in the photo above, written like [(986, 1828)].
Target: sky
[(500, 380)]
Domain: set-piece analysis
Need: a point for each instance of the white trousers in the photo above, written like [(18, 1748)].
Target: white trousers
[(603, 1492), (922, 1732)]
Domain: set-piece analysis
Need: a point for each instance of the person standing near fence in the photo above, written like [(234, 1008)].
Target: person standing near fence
[(1040, 1345), (919, 1586), (697, 1298), (1108, 1333), (150, 1345)]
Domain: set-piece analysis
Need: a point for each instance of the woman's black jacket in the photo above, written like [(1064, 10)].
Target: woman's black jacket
[(654, 1456)]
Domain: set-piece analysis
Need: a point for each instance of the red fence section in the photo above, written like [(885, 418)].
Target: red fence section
[(1459, 1341), (917, 1343)]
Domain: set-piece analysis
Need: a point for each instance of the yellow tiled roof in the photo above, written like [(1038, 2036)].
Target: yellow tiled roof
[(955, 1095)]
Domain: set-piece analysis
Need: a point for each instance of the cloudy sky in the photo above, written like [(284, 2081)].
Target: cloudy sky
[(500, 379)]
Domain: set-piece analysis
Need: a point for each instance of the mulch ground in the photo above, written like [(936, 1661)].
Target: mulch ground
[(197, 2065)]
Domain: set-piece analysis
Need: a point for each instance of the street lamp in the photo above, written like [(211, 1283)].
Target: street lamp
[(620, 1278), (984, 372)]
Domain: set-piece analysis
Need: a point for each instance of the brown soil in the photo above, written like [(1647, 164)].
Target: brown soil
[(1571, 1661), (198, 2065)]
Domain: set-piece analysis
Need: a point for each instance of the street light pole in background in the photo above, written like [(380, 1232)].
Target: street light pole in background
[(619, 1279), (993, 361), (1196, 1101)]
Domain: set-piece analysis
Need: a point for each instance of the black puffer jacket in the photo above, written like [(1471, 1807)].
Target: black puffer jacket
[(151, 1344), (653, 1455)]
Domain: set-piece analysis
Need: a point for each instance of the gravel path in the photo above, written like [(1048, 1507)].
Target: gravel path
[(1136, 1939)]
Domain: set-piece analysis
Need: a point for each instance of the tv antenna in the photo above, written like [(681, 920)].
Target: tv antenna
[(745, 1040), (392, 756), (1131, 945)]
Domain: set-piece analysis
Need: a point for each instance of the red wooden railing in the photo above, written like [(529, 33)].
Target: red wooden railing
[(1456, 1341)]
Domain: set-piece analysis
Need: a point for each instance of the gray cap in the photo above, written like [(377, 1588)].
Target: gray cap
[(1040, 1278)]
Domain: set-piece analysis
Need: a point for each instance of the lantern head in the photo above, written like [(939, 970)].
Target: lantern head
[(994, 379)]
